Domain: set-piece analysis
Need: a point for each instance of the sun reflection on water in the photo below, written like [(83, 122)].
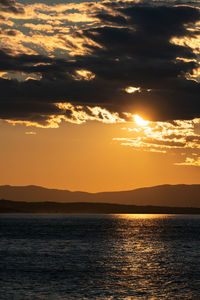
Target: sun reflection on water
[(143, 216)]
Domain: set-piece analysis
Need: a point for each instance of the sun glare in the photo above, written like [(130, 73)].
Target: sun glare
[(139, 121)]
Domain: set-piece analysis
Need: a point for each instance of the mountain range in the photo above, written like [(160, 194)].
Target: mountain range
[(163, 195)]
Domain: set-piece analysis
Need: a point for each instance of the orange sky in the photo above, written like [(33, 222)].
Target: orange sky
[(84, 157)]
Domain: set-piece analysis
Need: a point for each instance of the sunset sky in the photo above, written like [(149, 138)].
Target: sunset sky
[(99, 96)]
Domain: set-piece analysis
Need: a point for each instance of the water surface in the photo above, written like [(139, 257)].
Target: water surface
[(99, 257)]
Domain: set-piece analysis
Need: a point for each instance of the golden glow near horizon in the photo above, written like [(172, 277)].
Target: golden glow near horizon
[(180, 137), (85, 157)]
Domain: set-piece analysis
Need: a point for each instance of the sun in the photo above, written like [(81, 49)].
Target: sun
[(139, 121)]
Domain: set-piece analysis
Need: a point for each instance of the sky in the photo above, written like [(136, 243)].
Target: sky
[(99, 96)]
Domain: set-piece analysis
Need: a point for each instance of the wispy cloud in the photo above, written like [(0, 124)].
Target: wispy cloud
[(180, 136), (190, 161), (66, 112)]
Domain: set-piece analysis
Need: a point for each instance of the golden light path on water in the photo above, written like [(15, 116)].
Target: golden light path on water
[(143, 216)]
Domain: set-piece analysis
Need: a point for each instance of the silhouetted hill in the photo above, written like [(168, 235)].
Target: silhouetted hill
[(85, 207), (163, 195)]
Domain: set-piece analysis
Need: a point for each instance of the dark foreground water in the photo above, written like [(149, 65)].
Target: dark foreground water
[(99, 257)]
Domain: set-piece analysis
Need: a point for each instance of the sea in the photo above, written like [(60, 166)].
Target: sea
[(134, 256)]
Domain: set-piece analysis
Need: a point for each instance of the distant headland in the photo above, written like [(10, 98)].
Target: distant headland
[(7, 206)]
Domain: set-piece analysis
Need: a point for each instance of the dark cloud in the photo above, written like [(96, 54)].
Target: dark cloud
[(11, 32), (135, 50), (11, 6)]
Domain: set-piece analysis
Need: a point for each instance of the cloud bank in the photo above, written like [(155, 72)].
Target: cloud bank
[(92, 54)]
